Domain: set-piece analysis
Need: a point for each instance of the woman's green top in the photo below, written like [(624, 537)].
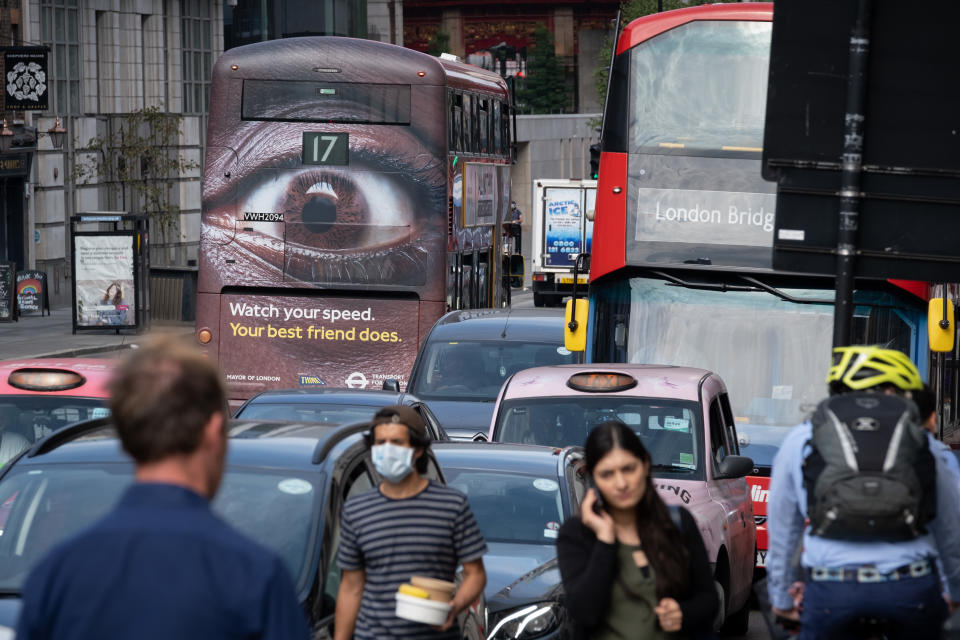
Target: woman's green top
[(630, 615)]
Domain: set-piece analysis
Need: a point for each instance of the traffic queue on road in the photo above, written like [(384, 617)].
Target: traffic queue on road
[(297, 456)]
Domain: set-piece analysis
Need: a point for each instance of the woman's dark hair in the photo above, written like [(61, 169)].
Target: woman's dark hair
[(658, 533), (926, 400), (117, 296)]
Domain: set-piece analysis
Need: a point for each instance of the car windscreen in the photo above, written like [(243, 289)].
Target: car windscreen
[(511, 507), (24, 419), (308, 412), (760, 443), (669, 429), (475, 370), (39, 507)]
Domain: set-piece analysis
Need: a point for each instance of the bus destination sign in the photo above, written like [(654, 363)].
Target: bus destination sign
[(326, 148)]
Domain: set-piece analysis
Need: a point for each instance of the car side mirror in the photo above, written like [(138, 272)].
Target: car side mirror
[(391, 384), (735, 467)]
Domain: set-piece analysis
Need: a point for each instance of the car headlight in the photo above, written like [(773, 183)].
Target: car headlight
[(529, 622)]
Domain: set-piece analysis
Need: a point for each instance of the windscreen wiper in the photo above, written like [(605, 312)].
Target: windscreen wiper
[(708, 286), (785, 296)]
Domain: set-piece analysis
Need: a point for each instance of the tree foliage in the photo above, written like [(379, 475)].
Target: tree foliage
[(439, 43), (138, 156), (630, 10), (545, 87)]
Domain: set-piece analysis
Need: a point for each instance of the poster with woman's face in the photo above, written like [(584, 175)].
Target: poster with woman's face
[(104, 281)]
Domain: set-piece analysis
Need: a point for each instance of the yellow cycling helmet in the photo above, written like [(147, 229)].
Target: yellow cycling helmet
[(863, 367)]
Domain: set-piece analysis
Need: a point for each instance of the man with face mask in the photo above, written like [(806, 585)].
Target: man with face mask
[(408, 526), (160, 564)]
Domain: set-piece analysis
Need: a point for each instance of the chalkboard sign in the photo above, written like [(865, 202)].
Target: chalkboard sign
[(8, 300), (32, 293)]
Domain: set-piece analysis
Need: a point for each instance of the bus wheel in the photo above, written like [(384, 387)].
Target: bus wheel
[(538, 300)]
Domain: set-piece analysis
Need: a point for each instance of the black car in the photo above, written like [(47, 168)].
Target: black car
[(333, 406), (290, 473), (520, 495), (467, 355)]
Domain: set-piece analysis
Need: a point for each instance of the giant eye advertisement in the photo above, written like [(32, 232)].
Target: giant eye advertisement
[(324, 182), (104, 281), (327, 194)]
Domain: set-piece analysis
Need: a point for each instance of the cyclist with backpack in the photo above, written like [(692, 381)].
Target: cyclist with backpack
[(873, 507)]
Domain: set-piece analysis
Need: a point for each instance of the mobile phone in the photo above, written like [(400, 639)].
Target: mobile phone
[(598, 504)]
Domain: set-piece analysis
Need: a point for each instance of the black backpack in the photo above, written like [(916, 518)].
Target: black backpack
[(871, 475)]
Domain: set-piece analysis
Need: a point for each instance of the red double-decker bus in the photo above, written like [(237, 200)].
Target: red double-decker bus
[(353, 192), (681, 267)]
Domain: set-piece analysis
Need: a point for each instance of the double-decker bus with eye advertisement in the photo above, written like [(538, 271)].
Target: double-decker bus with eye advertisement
[(681, 266), (352, 193)]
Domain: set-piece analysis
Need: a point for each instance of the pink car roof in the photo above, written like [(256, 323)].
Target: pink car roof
[(96, 371), (654, 381)]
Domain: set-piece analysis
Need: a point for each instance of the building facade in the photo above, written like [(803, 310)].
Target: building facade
[(108, 59), (500, 36)]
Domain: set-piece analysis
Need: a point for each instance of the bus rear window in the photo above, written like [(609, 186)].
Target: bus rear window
[(700, 87), (326, 102)]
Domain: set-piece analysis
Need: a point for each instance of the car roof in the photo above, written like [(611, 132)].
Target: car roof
[(371, 397), (528, 459), (256, 443), (96, 373), (515, 325), (653, 381)]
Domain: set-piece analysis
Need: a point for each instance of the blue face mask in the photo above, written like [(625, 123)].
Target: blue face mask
[(392, 462)]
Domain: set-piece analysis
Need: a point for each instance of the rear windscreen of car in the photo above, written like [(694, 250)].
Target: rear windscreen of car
[(475, 370), (669, 429), (26, 419), (303, 412), (511, 507), (39, 507)]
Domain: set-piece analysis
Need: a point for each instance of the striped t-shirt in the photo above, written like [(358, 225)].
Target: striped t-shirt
[(428, 534)]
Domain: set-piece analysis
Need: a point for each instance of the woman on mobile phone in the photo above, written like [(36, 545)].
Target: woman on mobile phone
[(634, 568)]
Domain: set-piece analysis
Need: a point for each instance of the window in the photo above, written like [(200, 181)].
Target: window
[(60, 30), (484, 121), (456, 124), (718, 445), (468, 119), (497, 146), (196, 34)]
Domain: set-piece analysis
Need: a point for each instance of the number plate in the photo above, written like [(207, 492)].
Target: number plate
[(569, 280), (761, 558), (326, 148)]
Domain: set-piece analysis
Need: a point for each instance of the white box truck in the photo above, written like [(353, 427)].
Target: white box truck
[(562, 227)]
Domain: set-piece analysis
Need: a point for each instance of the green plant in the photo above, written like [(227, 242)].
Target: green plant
[(138, 156), (439, 43), (545, 89)]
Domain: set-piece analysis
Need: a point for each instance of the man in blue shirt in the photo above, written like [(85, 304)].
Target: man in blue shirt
[(896, 582), (161, 564)]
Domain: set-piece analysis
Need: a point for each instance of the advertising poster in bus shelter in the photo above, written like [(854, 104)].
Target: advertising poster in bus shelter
[(481, 194), (563, 226), (104, 281), (297, 341)]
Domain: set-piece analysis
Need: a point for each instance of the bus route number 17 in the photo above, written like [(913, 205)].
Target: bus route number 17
[(326, 148)]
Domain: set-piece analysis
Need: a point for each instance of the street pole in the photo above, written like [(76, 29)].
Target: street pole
[(853, 130), (659, 6)]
